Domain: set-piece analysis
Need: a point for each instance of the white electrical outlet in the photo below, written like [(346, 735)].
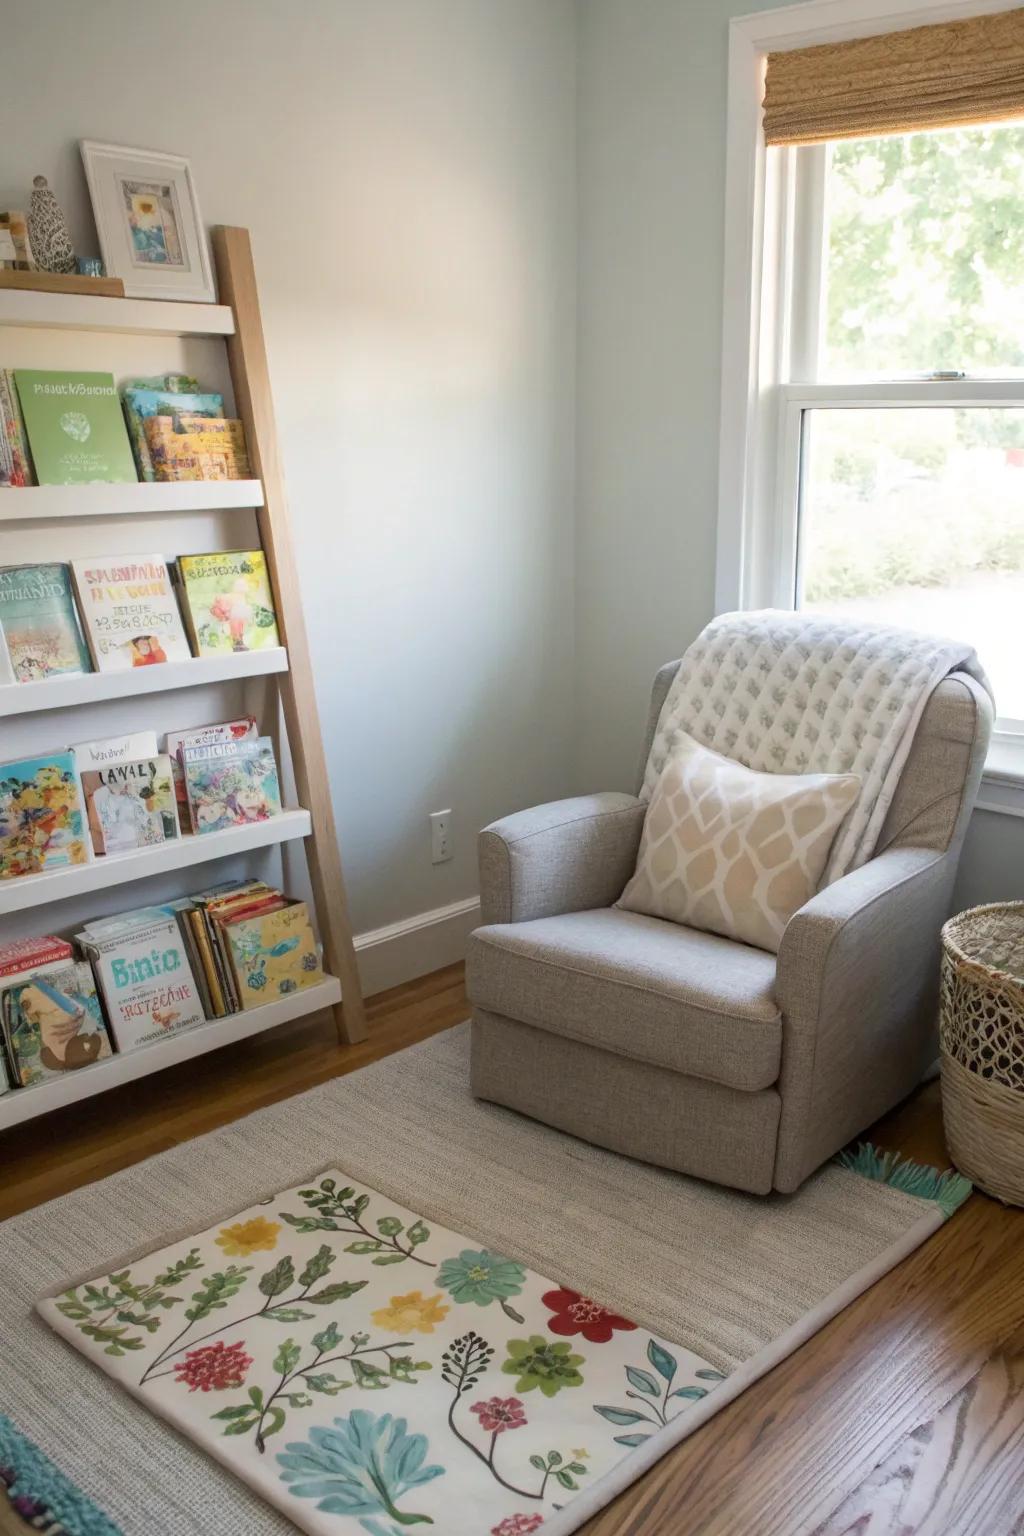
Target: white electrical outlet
[(440, 836)]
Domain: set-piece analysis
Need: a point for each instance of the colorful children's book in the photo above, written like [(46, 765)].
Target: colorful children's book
[(40, 635), (12, 428), (26, 955), (231, 784), (42, 825), (75, 427), (273, 954), (227, 603), (130, 805), (200, 736), (190, 447), (130, 612), (146, 981), (53, 1023), (169, 396)]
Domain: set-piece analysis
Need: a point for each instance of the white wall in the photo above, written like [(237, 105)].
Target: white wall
[(651, 155), (407, 172)]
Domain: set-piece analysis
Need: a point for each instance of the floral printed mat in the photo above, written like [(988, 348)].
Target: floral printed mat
[(368, 1371)]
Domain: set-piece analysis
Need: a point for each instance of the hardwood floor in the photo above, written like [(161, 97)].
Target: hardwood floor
[(903, 1417)]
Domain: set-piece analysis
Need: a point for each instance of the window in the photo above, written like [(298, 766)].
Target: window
[(890, 414)]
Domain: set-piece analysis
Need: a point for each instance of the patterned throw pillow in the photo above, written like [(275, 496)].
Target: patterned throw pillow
[(733, 851)]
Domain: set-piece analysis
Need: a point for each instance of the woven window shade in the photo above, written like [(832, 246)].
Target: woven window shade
[(928, 77)]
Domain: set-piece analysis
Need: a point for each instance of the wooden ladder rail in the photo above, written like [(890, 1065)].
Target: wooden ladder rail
[(250, 376)]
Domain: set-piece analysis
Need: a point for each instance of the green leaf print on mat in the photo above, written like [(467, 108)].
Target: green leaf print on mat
[(330, 1208), (654, 1396), (95, 1309)]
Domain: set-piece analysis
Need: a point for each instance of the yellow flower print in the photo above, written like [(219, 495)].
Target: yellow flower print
[(256, 1236), (414, 1313)]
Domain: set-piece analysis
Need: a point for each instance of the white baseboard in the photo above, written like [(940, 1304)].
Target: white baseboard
[(415, 945)]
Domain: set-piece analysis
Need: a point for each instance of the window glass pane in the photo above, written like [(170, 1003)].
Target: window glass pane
[(916, 517), (925, 254)]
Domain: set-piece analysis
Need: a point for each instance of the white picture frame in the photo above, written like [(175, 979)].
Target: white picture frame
[(147, 217)]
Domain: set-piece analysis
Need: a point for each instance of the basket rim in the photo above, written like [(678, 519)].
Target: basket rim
[(950, 933)]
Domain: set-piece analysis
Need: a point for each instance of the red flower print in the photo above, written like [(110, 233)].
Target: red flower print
[(574, 1313), (214, 1368), (498, 1414), (518, 1525)]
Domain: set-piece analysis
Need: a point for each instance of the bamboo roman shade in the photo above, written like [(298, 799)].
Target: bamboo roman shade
[(927, 77)]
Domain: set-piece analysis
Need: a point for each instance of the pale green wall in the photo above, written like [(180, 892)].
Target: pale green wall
[(651, 116)]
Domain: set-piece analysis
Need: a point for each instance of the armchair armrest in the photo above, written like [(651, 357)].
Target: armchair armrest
[(857, 985), (566, 856)]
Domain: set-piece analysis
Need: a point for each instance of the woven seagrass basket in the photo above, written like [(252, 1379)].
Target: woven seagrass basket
[(981, 1032)]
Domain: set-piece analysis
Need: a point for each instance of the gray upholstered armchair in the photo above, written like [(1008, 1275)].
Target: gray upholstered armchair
[(693, 1051)]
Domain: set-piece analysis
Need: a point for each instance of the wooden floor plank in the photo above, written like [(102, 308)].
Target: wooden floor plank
[(960, 1471), (907, 1407)]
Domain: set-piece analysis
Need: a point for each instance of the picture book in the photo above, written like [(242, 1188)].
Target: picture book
[(12, 429), (191, 447), (53, 1023), (273, 954), (23, 955), (248, 901), (227, 603), (42, 825), (171, 397), (115, 749), (130, 805), (198, 736), (231, 784), (75, 427), (40, 635), (147, 982), (129, 611)]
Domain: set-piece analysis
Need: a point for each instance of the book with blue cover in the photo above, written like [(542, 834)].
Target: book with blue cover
[(40, 633)]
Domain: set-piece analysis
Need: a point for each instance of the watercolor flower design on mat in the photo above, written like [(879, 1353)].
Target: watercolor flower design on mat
[(498, 1414), (482, 1277), (214, 1368), (258, 1235), (414, 1313), (539, 1363), (361, 1467), (518, 1525), (573, 1314), (464, 1363)]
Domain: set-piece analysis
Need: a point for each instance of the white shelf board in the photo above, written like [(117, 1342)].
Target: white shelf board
[(25, 891), (26, 1103), (24, 503), (90, 312), (94, 687)]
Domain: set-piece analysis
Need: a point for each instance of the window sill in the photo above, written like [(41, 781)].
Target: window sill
[(1002, 783)]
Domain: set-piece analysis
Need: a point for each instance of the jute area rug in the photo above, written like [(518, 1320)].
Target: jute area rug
[(731, 1283)]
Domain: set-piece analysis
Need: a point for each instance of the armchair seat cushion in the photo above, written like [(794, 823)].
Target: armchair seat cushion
[(637, 986)]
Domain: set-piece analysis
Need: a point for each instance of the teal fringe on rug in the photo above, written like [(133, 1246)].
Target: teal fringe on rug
[(45, 1499), (948, 1190)]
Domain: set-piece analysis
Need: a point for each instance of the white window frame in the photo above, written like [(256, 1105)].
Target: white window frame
[(772, 287)]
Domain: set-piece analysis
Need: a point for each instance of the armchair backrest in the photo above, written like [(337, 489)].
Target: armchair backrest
[(937, 788)]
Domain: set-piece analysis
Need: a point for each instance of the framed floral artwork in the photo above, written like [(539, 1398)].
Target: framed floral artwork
[(148, 221)]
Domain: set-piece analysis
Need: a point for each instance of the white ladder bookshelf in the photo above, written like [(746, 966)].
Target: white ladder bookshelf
[(38, 521)]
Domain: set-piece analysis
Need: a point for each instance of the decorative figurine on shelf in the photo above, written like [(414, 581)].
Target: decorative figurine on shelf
[(48, 230)]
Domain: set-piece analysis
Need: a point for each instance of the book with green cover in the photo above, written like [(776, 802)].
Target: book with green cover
[(228, 605), (75, 427), (40, 635)]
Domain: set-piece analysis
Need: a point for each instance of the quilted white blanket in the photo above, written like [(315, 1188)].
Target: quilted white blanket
[(799, 693)]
